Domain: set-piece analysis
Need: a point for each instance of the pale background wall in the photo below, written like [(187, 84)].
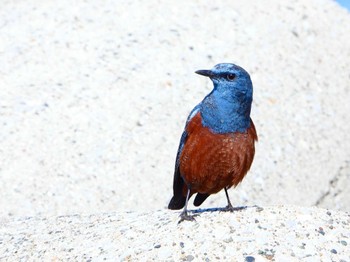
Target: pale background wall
[(95, 94)]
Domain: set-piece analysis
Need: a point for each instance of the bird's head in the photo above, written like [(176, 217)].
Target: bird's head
[(229, 78), (227, 107)]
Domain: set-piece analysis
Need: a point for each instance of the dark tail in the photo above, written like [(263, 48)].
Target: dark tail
[(177, 202), (200, 198)]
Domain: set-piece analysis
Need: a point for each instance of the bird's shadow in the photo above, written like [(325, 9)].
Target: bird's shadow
[(199, 211)]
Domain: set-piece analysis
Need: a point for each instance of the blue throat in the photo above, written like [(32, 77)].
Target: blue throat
[(225, 110)]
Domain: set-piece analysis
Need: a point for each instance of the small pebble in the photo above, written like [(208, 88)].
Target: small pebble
[(320, 230), (189, 258), (228, 240), (334, 251), (249, 259), (329, 213), (157, 246), (344, 243), (259, 209), (182, 244)]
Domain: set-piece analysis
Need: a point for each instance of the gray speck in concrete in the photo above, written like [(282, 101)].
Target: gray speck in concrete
[(259, 209), (320, 230), (250, 259), (228, 240)]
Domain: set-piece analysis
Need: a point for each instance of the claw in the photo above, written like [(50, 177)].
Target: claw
[(230, 208), (187, 217)]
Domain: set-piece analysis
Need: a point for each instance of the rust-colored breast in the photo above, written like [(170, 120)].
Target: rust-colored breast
[(209, 162)]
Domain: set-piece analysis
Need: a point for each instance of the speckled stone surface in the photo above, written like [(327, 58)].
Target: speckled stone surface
[(95, 94), (281, 233)]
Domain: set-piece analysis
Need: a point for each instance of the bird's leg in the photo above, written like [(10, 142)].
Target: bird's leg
[(184, 215), (229, 206)]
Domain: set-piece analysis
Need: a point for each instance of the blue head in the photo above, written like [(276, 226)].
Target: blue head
[(227, 108)]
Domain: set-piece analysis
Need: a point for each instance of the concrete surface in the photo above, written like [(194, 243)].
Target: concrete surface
[(94, 97), (95, 94), (280, 233)]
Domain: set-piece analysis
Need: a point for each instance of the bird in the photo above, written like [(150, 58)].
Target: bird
[(217, 146)]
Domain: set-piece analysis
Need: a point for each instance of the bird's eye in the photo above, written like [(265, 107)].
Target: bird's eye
[(231, 77)]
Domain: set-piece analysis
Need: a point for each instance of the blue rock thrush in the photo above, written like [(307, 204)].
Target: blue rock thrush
[(217, 146)]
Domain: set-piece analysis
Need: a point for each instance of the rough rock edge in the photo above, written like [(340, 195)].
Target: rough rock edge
[(255, 234)]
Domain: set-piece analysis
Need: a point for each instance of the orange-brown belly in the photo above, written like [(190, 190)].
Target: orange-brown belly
[(209, 162)]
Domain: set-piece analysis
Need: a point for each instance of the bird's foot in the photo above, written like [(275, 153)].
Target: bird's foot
[(185, 216), (230, 208)]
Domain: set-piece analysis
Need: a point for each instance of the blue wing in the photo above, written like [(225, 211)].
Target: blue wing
[(178, 200)]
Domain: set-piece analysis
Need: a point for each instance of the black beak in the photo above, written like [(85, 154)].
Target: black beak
[(208, 73)]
